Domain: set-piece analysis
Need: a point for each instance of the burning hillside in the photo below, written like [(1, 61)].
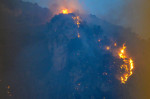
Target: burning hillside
[(84, 49), (69, 57)]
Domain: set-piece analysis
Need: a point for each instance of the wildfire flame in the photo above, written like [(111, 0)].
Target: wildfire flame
[(128, 65), (66, 11)]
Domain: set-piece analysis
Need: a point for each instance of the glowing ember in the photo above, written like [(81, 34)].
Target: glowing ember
[(78, 35), (107, 48), (8, 87), (77, 20), (127, 66), (115, 44)]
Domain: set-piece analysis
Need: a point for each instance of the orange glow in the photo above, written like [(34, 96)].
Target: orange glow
[(107, 48), (8, 87), (78, 35), (128, 65), (65, 11), (77, 20), (122, 52), (115, 44)]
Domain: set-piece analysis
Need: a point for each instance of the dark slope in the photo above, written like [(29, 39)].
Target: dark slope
[(22, 28)]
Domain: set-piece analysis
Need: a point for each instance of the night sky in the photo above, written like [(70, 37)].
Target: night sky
[(49, 55)]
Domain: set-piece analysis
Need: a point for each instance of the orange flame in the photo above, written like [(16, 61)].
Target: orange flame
[(128, 65), (66, 11)]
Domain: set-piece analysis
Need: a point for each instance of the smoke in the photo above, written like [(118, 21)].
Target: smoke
[(133, 14), (138, 17)]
